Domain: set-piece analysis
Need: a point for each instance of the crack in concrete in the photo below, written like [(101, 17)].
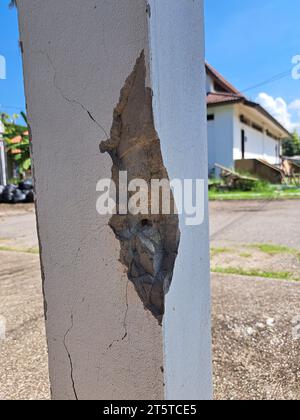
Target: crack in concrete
[(71, 100), (124, 322), (126, 313), (70, 358)]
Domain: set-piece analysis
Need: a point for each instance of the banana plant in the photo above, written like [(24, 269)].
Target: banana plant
[(16, 138)]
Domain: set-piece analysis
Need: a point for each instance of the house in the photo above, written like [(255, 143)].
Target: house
[(239, 129)]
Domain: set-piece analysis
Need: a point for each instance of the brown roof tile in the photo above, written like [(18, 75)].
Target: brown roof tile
[(220, 98)]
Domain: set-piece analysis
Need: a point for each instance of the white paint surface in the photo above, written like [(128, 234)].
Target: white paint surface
[(178, 80)]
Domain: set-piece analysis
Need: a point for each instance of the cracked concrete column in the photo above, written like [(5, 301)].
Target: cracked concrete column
[(128, 74)]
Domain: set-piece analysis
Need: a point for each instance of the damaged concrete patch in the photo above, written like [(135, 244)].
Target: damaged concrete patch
[(149, 243)]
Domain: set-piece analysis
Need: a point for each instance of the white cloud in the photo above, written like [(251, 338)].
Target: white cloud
[(295, 105), (280, 109)]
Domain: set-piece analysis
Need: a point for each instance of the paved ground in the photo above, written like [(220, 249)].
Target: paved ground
[(255, 322), (276, 222)]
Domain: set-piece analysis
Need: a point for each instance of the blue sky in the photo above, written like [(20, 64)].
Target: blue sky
[(250, 42), (11, 89), (247, 41)]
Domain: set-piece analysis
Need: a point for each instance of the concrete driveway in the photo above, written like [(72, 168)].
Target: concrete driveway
[(255, 321)]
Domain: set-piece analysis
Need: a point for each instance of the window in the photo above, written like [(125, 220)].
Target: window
[(245, 120), (273, 136), (257, 127), (219, 88), (211, 117)]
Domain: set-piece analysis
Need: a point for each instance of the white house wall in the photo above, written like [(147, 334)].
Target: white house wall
[(220, 137), (271, 150), (258, 145), (209, 84)]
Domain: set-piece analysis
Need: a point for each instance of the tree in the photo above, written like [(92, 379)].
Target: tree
[(13, 3), (16, 138), (291, 146)]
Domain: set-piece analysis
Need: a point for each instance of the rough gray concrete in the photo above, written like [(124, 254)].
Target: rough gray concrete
[(18, 226), (23, 355), (256, 344), (149, 242), (256, 350), (275, 222)]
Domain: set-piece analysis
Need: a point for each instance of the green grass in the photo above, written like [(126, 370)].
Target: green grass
[(278, 275), (219, 251), (20, 250), (261, 192), (275, 249), (245, 255)]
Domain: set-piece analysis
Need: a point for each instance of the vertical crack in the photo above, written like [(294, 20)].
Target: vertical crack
[(126, 313), (124, 321), (70, 358)]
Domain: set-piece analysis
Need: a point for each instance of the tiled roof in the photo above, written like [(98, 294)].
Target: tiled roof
[(223, 98), (217, 76), (233, 96)]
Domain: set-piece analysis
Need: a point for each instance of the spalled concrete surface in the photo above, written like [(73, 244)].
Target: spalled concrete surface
[(255, 321), (149, 242)]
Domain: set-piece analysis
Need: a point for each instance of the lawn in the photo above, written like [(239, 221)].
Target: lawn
[(277, 275), (270, 192), (268, 261)]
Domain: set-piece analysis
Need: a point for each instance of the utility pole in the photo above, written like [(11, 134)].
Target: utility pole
[(129, 75)]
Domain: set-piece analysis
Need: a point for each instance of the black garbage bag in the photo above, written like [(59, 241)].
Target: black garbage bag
[(29, 196), (8, 193), (18, 196), (26, 185)]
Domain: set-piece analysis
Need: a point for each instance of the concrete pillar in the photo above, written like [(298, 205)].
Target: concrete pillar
[(123, 73)]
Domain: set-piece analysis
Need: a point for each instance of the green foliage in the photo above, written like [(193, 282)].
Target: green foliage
[(272, 249), (279, 275), (18, 150), (291, 147), (19, 250), (262, 186)]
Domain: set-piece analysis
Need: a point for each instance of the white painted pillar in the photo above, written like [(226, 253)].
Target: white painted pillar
[(77, 55)]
